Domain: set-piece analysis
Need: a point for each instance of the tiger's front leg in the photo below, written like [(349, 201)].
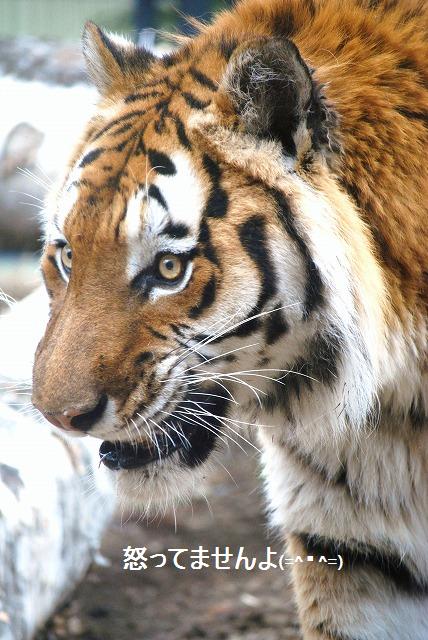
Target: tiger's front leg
[(365, 502), (373, 597)]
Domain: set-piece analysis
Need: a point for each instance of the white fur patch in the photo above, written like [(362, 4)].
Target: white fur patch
[(133, 217), (183, 192), (146, 218)]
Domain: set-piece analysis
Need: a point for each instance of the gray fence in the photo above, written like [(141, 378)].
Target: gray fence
[(62, 19)]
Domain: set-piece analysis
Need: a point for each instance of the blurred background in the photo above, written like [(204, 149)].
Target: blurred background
[(45, 100)]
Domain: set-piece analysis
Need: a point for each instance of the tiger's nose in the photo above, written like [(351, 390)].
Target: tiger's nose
[(78, 419)]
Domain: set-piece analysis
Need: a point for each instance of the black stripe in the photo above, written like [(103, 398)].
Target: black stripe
[(314, 285), (121, 219), (194, 102), (176, 230), (179, 330), (143, 357), (252, 235), (137, 58), (113, 123), (367, 205), (217, 203), (253, 238), (115, 52), (84, 182), (171, 59), (181, 133), (133, 97), (412, 13), (283, 22), (155, 193), (140, 149), (90, 157), (156, 334), (276, 326), (113, 181), (202, 79), (409, 65), (212, 168), (321, 366), (161, 106), (413, 115), (161, 163), (208, 250), (120, 147), (121, 129), (417, 414), (160, 124), (310, 6), (164, 79), (207, 298), (359, 555), (245, 328), (306, 460), (227, 46)]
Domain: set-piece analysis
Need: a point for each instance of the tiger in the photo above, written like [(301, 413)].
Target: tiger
[(238, 247)]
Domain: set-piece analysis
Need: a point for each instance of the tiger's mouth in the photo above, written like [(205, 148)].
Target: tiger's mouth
[(193, 445), (192, 439)]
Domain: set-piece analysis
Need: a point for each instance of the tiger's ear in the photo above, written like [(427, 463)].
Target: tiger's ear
[(113, 62), (273, 93)]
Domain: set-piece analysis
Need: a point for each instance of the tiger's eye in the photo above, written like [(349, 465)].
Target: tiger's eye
[(170, 267), (66, 257)]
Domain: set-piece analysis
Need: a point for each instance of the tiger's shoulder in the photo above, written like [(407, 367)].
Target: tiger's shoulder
[(368, 59)]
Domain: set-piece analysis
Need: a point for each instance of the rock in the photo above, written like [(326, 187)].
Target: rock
[(18, 223), (20, 148), (54, 501), (40, 125)]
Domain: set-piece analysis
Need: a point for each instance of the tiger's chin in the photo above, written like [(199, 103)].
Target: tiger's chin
[(169, 466), (154, 488)]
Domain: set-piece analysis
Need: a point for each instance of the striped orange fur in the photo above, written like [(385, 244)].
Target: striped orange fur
[(240, 245)]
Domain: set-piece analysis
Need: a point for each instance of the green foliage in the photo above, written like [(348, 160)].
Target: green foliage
[(62, 19)]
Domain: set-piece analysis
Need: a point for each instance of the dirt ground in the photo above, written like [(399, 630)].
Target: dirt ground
[(169, 604)]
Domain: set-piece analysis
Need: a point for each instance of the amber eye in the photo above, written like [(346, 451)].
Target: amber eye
[(170, 267), (66, 258)]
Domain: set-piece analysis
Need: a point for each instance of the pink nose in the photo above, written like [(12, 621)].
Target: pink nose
[(63, 420), (77, 419)]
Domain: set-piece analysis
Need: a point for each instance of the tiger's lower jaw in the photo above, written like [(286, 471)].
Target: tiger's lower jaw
[(185, 440), (168, 467), (192, 444), (149, 478)]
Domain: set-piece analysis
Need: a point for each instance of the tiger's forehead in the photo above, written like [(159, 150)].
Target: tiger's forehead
[(107, 172), (134, 143)]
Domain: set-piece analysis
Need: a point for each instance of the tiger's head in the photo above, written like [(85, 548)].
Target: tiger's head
[(194, 256)]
